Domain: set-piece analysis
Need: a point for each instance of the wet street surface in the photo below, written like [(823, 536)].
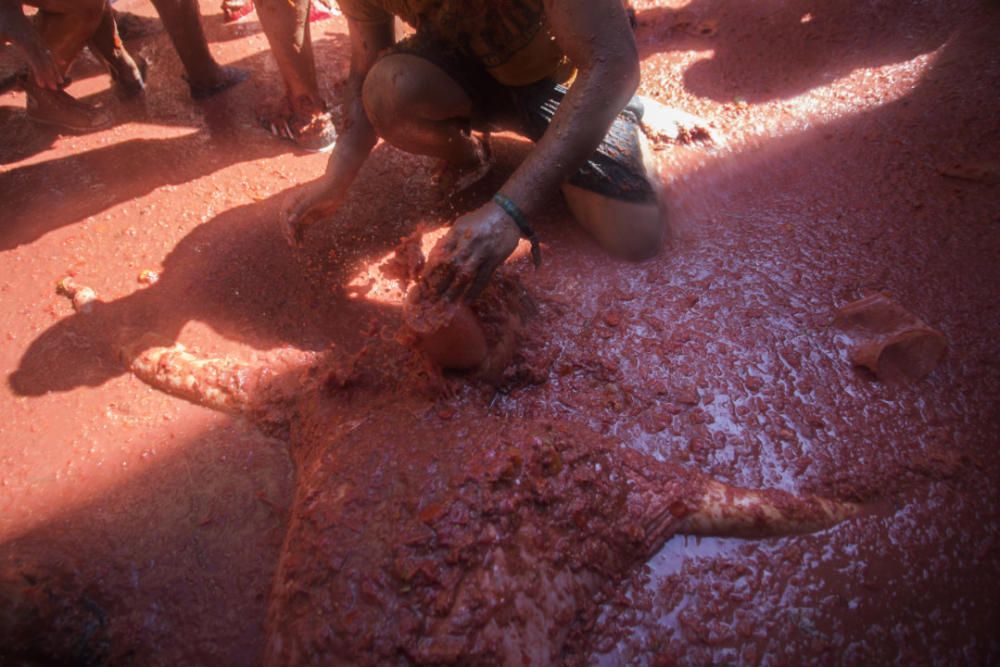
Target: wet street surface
[(856, 156)]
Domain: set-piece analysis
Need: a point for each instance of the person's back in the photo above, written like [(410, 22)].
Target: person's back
[(511, 40)]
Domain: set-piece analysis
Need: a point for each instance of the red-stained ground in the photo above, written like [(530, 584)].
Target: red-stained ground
[(845, 124)]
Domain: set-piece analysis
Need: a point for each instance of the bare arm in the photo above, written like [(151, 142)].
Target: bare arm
[(325, 195), (598, 39)]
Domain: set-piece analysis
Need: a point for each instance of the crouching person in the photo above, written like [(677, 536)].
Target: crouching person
[(560, 72)]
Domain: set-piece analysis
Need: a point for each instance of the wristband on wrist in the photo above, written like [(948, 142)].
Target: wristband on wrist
[(517, 215)]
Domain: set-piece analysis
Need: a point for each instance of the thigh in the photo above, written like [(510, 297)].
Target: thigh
[(485, 100)]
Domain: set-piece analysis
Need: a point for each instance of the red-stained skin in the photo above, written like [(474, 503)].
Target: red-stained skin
[(718, 355)]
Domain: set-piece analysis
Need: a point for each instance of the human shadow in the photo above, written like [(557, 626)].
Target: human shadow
[(778, 49), (762, 51), (172, 565), (237, 274), (209, 514)]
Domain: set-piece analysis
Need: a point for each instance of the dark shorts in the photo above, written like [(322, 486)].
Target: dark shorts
[(615, 169)]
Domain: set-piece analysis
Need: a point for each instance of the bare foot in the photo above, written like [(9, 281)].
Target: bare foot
[(310, 127), (663, 125), (56, 107)]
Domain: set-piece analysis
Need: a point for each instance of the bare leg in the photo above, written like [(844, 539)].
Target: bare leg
[(307, 122), (417, 107), (107, 44), (206, 77), (65, 27), (286, 25), (636, 231)]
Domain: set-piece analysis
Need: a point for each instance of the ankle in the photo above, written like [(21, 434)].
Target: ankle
[(207, 75), (479, 153)]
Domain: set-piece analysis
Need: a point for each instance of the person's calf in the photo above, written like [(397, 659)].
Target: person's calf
[(106, 43), (205, 77), (65, 30), (664, 126)]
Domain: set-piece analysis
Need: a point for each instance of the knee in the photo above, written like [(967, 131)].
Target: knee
[(389, 90)]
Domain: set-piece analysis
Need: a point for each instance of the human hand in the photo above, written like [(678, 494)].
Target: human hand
[(314, 202), (462, 262)]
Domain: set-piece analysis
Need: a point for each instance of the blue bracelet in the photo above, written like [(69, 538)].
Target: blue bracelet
[(517, 215)]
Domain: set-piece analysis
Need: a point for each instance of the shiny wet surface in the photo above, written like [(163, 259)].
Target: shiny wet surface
[(839, 123)]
